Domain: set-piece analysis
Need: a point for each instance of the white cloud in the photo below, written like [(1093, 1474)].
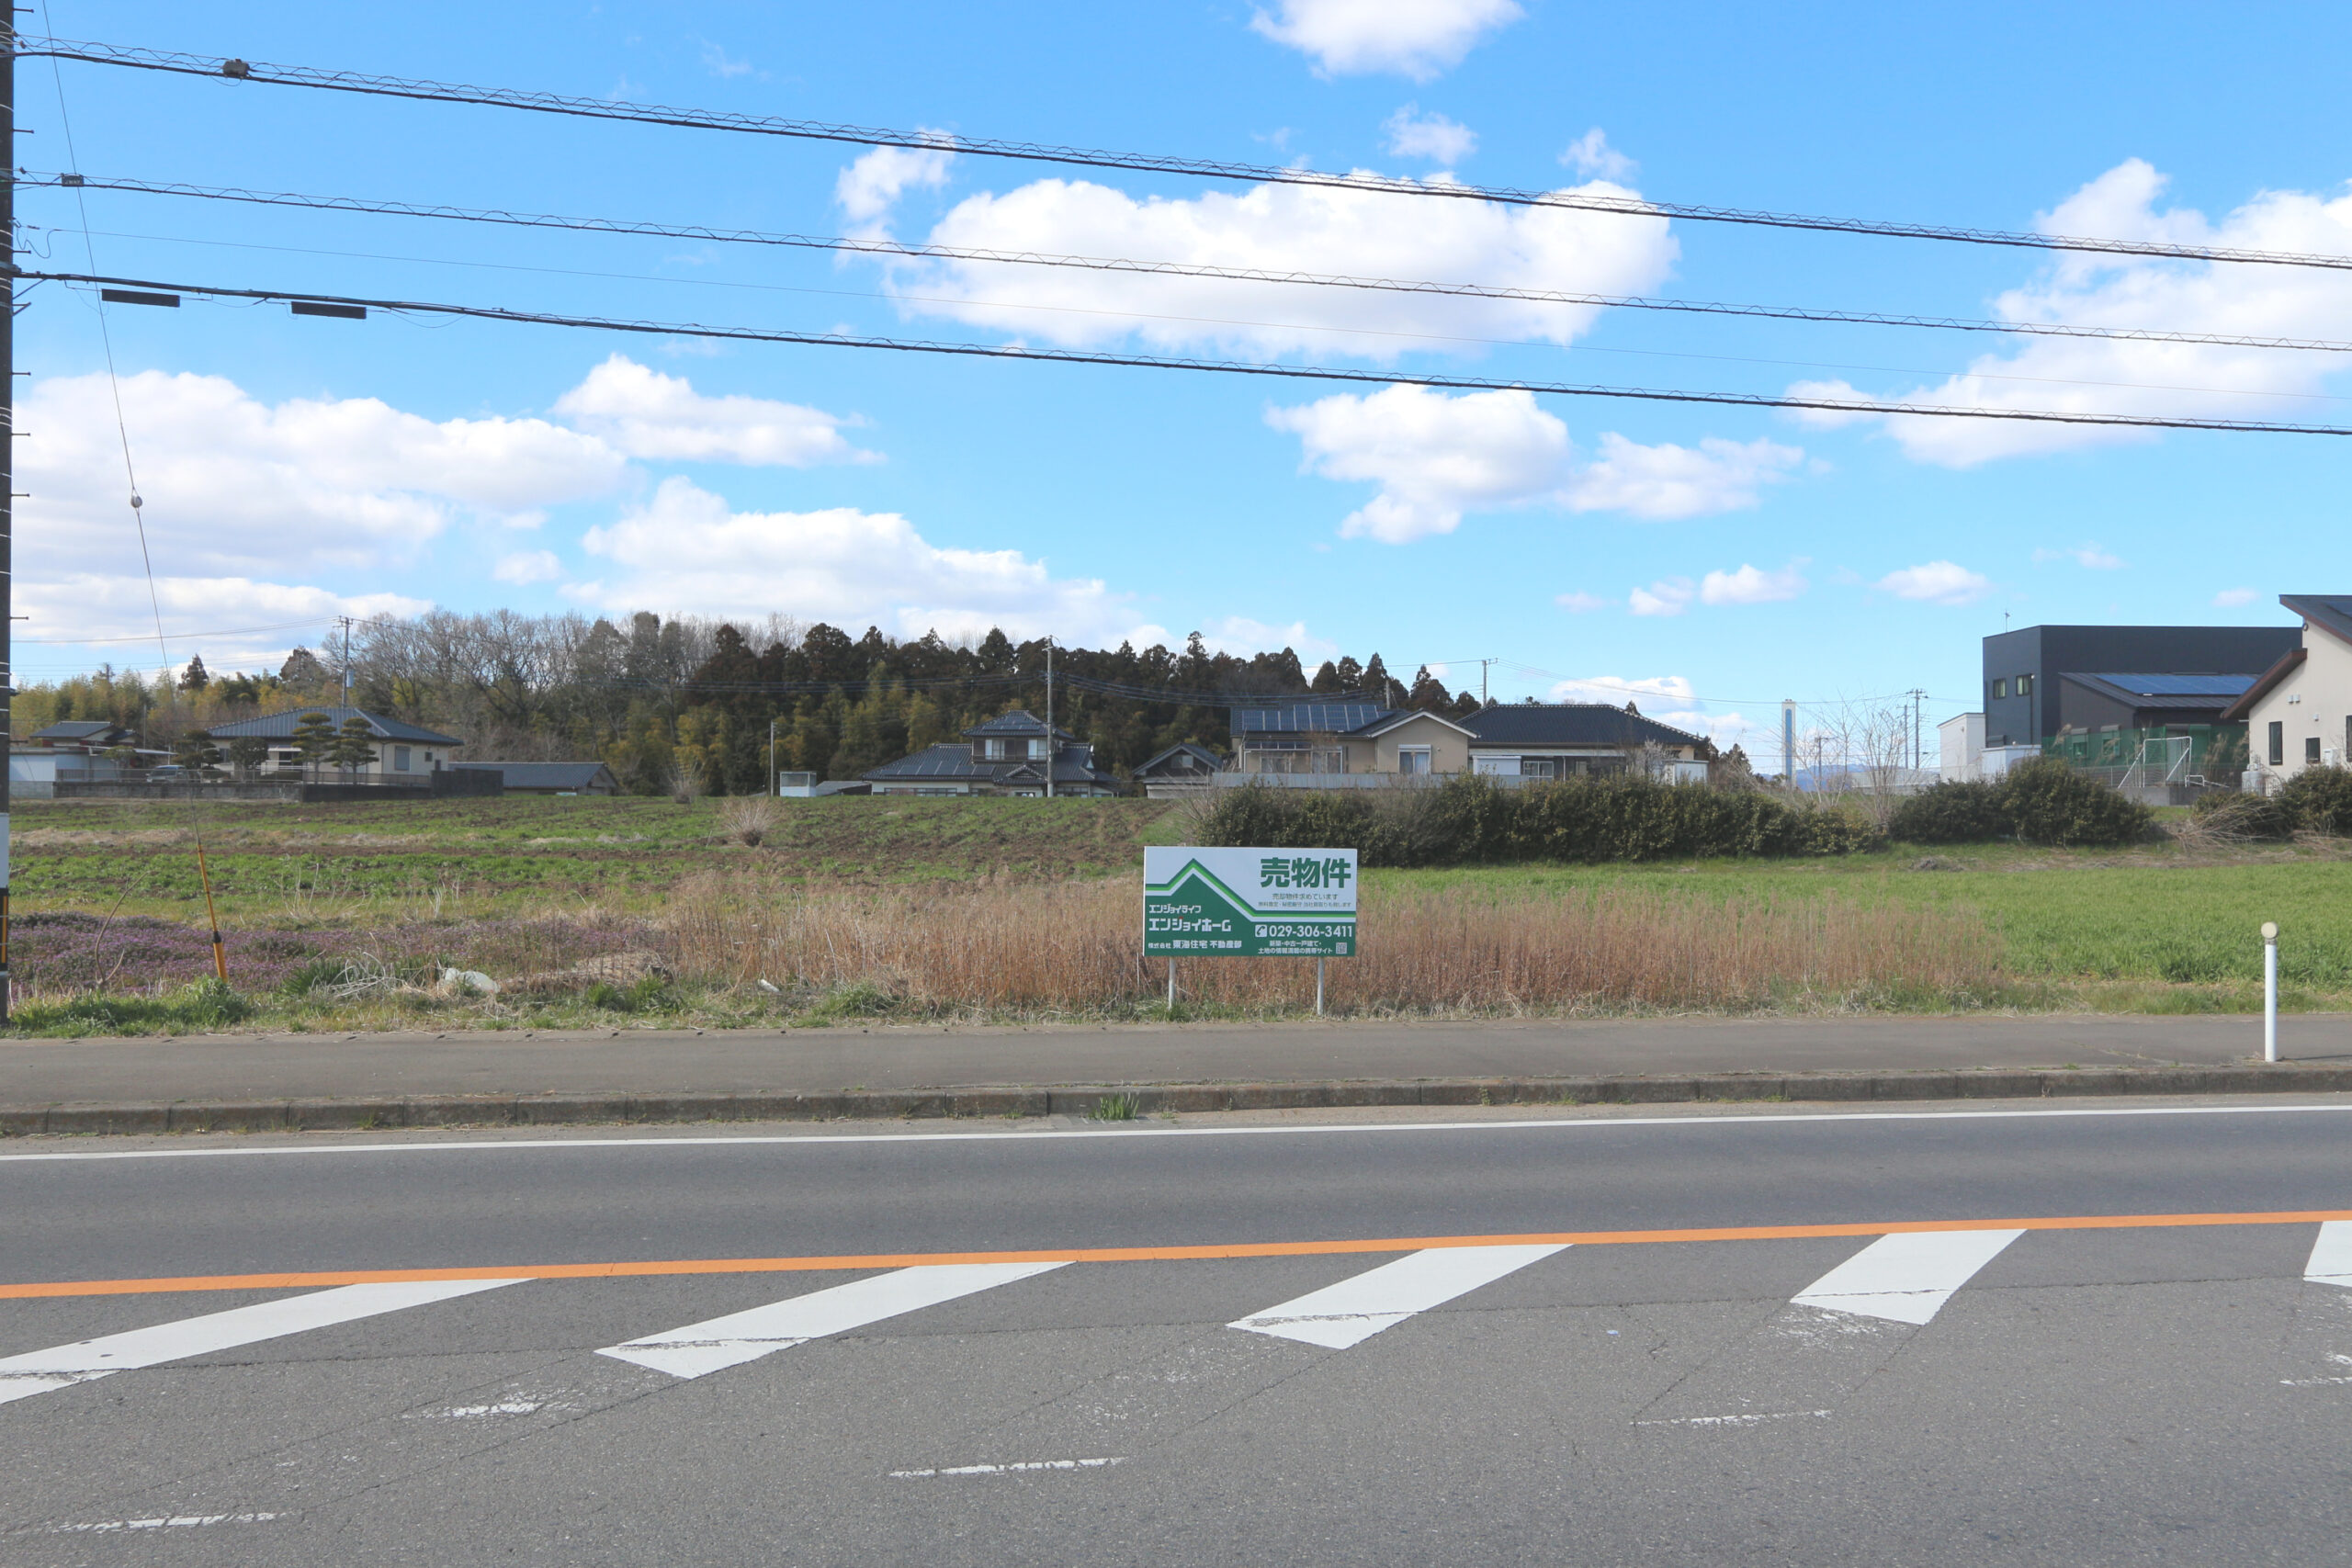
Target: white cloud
[(2234, 598), (2107, 376), (1591, 155), (114, 606), (1668, 481), (526, 567), (1412, 37), (1580, 604), (1433, 456), (1937, 581), (2090, 557), (868, 188), (644, 413), (1436, 457), (1412, 134), (1240, 634), (1749, 586), (688, 549), (1668, 596), (1280, 230), (236, 488), (719, 63), (1619, 690)]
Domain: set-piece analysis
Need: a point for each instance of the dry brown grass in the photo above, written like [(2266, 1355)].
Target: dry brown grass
[(1074, 947)]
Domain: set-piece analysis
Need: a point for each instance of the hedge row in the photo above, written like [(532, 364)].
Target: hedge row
[(2039, 802), (1471, 821)]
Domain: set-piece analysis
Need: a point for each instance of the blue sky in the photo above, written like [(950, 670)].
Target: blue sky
[(1712, 560)]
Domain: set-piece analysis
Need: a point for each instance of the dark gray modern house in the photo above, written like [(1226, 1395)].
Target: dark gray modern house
[(2028, 702)]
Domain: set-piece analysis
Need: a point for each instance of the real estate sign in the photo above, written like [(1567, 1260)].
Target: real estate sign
[(1203, 903)]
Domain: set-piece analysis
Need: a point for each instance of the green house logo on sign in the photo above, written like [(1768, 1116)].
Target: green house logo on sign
[(1248, 903)]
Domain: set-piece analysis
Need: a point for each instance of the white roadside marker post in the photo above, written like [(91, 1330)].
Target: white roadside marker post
[(1319, 987), (1171, 987), (2269, 990)]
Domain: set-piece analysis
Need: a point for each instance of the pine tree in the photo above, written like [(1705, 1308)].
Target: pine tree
[(354, 746), (314, 737), (195, 678)]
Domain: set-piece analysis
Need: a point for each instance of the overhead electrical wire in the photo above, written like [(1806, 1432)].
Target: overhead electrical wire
[(215, 66), (893, 248), (298, 300), (1323, 328)]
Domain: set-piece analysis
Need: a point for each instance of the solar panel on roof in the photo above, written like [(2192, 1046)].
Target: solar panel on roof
[(2176, 685)]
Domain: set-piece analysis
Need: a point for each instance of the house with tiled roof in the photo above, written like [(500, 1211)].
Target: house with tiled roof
[(400, 751), (1013, 753), (1553, 740)]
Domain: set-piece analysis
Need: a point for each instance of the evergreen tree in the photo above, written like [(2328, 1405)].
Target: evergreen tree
[(353, 747), (194, 678), (313, 737)]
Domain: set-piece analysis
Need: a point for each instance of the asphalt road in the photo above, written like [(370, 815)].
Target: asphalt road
[(1943, 1338), (826, 1061)]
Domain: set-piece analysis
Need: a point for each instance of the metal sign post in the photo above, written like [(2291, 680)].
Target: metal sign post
[(1248, 903)]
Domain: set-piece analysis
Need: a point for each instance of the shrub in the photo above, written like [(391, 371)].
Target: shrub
[(1472, 820), (2319, 800), (2046, 801), (1956, 812), (2225, 816), (748, 819)]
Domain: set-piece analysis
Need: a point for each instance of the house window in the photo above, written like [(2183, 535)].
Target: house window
[(1537, 768), (400, 759), (2311, 750), (1413, 759), (2001, 688), (1036, 747), (2277, 742), (2025, 686)]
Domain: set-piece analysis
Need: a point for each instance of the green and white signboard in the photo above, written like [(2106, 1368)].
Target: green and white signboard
[(1239, 903)]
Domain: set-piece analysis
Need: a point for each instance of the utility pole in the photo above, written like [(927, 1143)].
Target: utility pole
[(346, 658), (8, 446), (1919, 736), (1050, 747), (1789, 741), (775, 785)]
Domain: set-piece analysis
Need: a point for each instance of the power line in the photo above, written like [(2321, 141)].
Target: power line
[(1322, 328), (99, 53), (308, 302), (893, 248)]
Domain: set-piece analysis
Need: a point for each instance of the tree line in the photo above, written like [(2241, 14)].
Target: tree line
[(690, 698)]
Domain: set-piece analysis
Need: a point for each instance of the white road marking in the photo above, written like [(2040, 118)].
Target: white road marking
[(1596, 1123), (2319, 1383), (38, 1372), (1754, 1420), (2331, 1262), (721, 1342), (1009, 1469), (1362, 1305), (1905, 1278), (180, 1522)]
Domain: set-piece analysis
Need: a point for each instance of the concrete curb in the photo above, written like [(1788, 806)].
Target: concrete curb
[(1082, 1099)]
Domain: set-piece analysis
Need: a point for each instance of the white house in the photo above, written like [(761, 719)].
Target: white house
[(2299, 715)]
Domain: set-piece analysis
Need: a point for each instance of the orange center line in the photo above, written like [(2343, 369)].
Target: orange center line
[(654, 1268)]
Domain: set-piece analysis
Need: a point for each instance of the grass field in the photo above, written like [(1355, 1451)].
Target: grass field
[(108, 902)]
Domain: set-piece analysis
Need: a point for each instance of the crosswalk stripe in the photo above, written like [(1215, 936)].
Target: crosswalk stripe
[(1905, 1278), (722, 1342), (38, 1372), (2331, 1262), (1359, 1307)]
